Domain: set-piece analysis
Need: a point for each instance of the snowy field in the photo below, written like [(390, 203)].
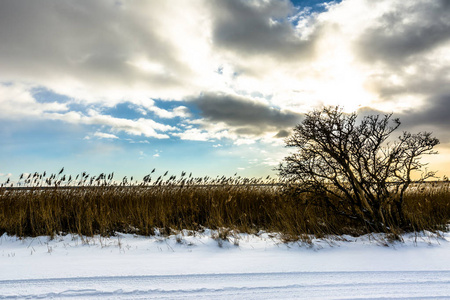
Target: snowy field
[(200, 266)]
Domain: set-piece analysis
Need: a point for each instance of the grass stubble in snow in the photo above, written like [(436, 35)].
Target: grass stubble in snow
[(201, 265)]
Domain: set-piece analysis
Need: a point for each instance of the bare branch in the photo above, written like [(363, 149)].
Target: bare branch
[(354, 162)]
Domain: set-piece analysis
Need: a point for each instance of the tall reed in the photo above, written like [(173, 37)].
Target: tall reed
[(91, 205)]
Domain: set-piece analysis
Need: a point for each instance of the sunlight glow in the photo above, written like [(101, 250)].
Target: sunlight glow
[(148, 66), (340, 81)]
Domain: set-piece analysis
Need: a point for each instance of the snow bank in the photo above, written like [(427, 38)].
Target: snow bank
[(203, 253)]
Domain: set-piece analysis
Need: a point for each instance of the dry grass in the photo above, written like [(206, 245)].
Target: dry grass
[(99, 206)]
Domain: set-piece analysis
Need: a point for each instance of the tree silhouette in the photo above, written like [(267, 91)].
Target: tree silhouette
[(354, 167)]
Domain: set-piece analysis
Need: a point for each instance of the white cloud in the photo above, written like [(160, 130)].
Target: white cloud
[(180, 111), (145, 127), (138, 142), (142, 155), (388, 54), (271, 162), (102, 52), (195, 134), (104, 135), (17, 102), (139, 127), (244, 142)]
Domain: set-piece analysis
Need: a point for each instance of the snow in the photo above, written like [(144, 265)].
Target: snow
[(201, 266)]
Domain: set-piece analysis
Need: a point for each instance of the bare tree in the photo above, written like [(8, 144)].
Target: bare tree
[(354, 167)]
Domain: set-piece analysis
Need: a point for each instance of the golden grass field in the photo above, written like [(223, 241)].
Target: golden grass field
[(97, 205)]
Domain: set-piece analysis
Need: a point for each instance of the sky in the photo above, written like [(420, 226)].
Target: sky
[(210, 87)]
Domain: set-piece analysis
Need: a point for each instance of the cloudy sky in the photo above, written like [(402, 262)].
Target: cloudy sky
[(208, 86)]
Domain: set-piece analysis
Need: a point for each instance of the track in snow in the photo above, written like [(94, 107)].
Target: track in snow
[(305, 285)]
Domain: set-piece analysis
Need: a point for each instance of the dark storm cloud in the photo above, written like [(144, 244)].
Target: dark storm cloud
[(258, 27), (411, 28), (432, 116), (282, 134), (367, 111), (435, 112), (92, 41), (430, 79), (405, 48), (245, 115)]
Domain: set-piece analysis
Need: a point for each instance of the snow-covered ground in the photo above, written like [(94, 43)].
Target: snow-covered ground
[(198, 266)]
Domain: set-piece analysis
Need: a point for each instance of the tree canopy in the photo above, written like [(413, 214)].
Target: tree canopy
[(356, 161)]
